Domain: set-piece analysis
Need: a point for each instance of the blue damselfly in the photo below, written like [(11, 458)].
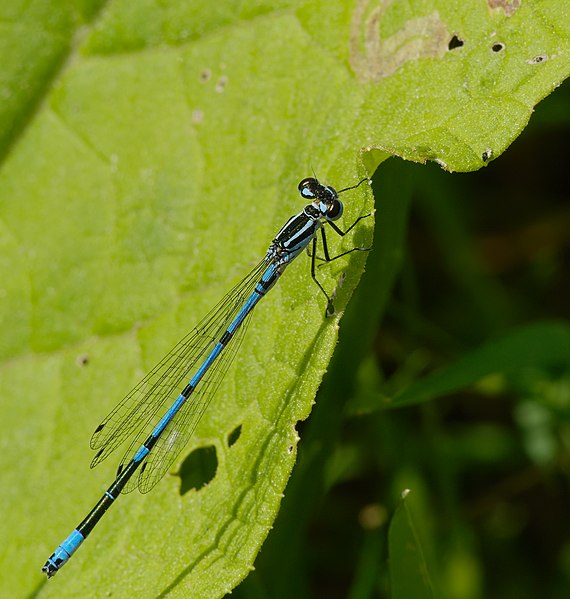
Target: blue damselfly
[(160, 414)]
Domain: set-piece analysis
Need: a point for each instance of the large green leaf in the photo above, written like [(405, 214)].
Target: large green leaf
[(150, 150)]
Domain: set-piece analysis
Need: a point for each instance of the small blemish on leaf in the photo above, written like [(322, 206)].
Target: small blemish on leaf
[(221, 85), (234, 435), (486, 155), (290, 449), (205, 75), (455, 42), (82, 360), (538, 59), (198, 469), (509, 7), (197, 116), (498, 47)]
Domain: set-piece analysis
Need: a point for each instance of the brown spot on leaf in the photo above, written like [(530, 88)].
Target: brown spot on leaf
[(373, 58), (509, 7)]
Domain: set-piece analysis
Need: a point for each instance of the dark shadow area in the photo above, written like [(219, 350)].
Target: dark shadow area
[(234, 436), (198, 469)]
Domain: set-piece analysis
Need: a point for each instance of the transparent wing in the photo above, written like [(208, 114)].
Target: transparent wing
[(148, 401), (179, 430)]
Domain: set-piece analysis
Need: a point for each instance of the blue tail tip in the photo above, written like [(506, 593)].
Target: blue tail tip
[(59, 557)]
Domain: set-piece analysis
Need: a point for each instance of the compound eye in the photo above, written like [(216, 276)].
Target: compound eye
[(335, 210), (308, 187)]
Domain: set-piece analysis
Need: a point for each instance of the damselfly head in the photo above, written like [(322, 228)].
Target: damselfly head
[(311, 189), (323, 197)]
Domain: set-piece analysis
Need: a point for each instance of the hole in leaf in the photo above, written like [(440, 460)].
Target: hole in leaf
[(234, 435), (538, 59), (198, 469), (486, 155), (498, 47), (455, 42)]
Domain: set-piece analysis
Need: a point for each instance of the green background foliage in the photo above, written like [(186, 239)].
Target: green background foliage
[(149, 152)]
